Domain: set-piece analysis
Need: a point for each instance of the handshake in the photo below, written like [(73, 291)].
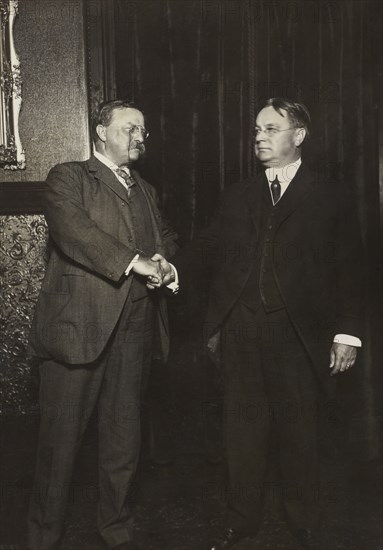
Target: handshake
[(157, 270)]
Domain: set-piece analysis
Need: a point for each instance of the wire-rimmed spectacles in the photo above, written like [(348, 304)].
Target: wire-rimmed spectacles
[(134, 129), (270, 132)]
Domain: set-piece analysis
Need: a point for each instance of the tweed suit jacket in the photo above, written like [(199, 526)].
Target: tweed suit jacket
[(316, 259), (92, 241)]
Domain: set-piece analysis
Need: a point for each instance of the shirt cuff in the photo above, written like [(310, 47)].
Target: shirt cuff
[(348, 340), (174, 286), (130, 266)]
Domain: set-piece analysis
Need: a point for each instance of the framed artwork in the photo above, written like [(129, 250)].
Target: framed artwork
[(25, 197), (12, 154)]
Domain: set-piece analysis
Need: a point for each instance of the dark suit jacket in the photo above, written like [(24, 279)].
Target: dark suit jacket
[(316, 259), (93, 242)]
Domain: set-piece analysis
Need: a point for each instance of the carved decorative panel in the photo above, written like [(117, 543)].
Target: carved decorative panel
[(22, 265)]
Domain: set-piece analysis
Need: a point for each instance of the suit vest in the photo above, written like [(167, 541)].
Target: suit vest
[(261, 287), (139, 213)]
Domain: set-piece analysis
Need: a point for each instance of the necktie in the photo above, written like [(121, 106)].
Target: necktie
[(128, 179), (276, 190)]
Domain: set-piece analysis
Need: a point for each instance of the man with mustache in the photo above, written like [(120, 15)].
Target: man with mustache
[(95, 323), (284, 256)]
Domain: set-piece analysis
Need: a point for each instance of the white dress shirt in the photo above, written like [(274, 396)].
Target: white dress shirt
[(284, 174)]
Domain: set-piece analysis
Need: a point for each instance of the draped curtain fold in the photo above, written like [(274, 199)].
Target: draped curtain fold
[(200, 68)]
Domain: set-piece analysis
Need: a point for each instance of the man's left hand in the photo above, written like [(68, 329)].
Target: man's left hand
[(342, 357)]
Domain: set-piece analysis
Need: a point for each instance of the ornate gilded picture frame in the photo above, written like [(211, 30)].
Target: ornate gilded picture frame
[(12, 154)]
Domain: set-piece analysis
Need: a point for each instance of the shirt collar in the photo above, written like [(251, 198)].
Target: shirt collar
[(285, 174), (109, 163)]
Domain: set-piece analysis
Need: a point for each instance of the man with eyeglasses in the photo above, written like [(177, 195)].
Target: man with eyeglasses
[(95, 322), (284, 254)]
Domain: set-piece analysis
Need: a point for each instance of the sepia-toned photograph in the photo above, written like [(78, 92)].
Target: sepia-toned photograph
[(191, 274)]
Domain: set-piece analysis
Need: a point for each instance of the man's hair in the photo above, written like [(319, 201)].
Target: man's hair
[(104, 112), (297, 112)]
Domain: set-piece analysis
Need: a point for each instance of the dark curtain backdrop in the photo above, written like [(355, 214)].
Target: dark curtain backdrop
[(199, 69)]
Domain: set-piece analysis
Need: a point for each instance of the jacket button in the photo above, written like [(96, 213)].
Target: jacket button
[(122, 204)]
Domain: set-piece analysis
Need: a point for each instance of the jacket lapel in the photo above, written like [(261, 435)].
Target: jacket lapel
[(105, 174), (299, 189), (154, 213), (253, 195)]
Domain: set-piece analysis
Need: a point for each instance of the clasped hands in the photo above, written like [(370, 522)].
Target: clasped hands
[(157, 270)]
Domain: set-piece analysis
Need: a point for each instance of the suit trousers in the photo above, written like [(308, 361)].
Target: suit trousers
[(68, 395), (270, 388)]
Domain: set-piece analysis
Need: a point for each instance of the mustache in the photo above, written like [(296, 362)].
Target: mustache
[(138, 145)]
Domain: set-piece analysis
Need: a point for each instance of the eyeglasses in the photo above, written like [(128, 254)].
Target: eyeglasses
[(270, 132), (133, 129)]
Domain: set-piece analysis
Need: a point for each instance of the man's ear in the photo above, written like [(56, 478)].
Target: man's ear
[(300, 136), (101, 132)]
